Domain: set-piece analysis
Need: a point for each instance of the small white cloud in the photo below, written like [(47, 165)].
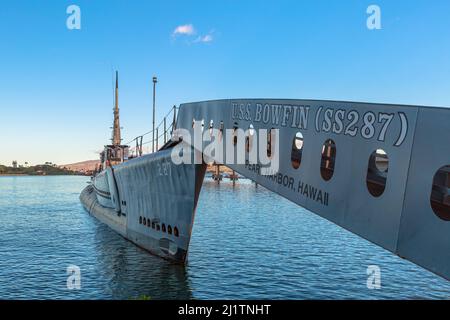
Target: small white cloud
[(186, 29), (205, 39)]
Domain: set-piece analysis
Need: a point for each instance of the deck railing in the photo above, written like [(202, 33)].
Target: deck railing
[(163, 133)]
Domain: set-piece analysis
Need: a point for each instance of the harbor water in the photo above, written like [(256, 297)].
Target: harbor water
[(247, 243)]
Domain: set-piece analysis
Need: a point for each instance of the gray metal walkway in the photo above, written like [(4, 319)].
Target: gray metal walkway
[(380, 171)]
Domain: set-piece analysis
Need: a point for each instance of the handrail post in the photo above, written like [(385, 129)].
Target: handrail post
[(137, 147), (174, 119), (157, 139), (165, 130)]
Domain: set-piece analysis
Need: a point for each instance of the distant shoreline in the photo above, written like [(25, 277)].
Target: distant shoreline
[(38, 175), (39, 170)]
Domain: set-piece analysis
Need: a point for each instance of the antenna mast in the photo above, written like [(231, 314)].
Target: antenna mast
[(116, 139)]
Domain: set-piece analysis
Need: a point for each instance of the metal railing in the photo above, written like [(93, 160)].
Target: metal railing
[(163, 134)]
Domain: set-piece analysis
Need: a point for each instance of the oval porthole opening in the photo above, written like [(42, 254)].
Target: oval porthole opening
[(144, 222), (140, 220), (235, 128), (297, 150), (175, 232), (211, 127), (249, 138), (328, 160), (153, 225), (221, 131), (251, 130), (440, 193), (377, 171), (169, 229), (270, 139)]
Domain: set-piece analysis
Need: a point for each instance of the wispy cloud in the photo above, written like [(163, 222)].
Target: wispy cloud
[(205, 39), (186, 29)]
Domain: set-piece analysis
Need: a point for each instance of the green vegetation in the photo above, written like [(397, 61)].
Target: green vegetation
[(142, 297), (39, 170)]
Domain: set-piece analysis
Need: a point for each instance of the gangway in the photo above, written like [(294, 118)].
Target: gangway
[(381, 171)]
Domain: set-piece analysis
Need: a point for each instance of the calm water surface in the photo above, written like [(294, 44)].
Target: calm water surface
[(247, 243)]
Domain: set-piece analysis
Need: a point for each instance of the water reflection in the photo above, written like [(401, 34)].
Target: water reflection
[(132, 272)]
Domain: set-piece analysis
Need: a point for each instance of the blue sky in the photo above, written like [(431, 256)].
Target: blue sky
[(56, 84)]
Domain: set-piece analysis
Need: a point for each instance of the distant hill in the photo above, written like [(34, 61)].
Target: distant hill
[(88, 165), (39, 170)]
